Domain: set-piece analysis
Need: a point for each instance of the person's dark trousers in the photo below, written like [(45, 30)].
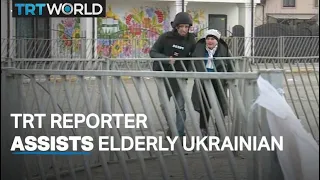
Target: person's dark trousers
[(180, 110), (204, 117)]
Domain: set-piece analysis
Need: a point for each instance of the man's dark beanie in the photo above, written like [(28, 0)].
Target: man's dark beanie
[(181, 18)]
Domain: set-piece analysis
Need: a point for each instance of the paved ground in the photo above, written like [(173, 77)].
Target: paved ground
[(219, 161)]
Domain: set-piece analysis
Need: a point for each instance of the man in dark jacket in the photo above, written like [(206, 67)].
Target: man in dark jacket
[(178, 43), (210, 46)]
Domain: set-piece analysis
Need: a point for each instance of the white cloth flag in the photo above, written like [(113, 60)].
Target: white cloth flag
[(299, 159)]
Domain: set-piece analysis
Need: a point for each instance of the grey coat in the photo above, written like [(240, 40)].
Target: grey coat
[(222, 51)]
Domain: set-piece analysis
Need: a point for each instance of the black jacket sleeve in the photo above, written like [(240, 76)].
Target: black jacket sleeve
[(193, 47), (158, 48)]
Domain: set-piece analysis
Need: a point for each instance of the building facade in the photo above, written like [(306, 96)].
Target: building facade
[(290, 12), (128, 29)]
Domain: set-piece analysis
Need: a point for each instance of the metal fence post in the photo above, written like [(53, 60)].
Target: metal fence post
[(235, 51), (136, 47), (113, 100), (12, 166), (105, 65), (249, 127), (83, 45), (271, 166), (280, 46), (241, 66)]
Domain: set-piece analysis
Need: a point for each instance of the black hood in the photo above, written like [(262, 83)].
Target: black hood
[(201, 44)]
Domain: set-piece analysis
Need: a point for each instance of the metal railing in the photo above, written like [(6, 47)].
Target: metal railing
[(112, 86), (87, 96), (301, 80), (139, 48)]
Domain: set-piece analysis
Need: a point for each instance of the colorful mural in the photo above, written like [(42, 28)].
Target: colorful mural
[(131, 34), (69, 33), (125, 34), (199, 21)]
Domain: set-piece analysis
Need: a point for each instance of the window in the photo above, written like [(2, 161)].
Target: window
[(218, 22), (289, 3), (32, 36)]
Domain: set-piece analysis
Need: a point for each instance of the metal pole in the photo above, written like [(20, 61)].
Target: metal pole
[(182, 4), (8, 29), (318, 13), (252, 26)]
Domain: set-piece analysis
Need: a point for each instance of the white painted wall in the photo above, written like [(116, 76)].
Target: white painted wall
[(305, 9), (302, 7), (121, 8), (259, 16), (118, 7)]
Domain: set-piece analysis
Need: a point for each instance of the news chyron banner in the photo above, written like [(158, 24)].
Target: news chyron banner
[(58, 8), (59, 145)]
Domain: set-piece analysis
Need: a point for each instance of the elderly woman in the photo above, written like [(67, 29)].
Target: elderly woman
[(211, 47)]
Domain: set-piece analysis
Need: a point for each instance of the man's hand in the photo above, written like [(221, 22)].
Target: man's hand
[(171, 61)]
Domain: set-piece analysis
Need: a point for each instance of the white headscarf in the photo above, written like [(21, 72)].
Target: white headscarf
[(211, 52), (213, 32)]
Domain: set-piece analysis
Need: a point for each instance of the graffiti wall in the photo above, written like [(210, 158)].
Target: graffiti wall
[(123, 32), (130, 33), (199, 21), (68, 33)]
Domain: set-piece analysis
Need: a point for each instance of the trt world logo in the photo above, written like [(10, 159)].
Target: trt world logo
[(58, 8)]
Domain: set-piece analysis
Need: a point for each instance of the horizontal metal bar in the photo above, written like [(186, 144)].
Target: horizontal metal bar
[(168, 74), (83, 38), (54, 59), (166, 59), (119, 59), (275, 57), (157, 59), (216, 58), (271, 70)]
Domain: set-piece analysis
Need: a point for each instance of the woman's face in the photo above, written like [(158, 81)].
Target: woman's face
[(211, 42)]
